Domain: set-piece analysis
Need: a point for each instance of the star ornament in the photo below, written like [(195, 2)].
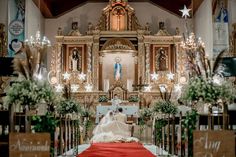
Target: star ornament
[(185, 12), (74, 88), (154, 76), (59, 88), (178, 87), (88, 88), (82, 76), (170, 76), (66, 76), (148, 88)]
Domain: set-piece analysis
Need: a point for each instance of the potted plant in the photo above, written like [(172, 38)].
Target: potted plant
[(133, 98), (103, 98), (68, 107)]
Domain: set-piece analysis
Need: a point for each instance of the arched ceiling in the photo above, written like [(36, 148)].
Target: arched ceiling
[(56, 8)]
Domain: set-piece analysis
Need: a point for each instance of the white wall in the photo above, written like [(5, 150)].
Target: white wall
[(203, 25), (34, 20), (3, 12), (91, 12)]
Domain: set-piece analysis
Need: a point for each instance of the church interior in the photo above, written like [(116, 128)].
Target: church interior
[(117, 78)]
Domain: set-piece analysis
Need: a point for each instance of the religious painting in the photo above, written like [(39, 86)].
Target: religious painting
[(161, 58), (220, 27), (75, 58)]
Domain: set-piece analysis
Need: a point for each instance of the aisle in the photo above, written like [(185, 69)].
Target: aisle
[(116, 150)]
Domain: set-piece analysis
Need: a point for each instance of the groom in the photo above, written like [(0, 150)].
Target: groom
[(120, 116)]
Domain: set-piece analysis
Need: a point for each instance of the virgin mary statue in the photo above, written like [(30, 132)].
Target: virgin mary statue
[(117, 69)]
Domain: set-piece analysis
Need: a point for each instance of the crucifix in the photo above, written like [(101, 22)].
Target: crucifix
[(118, 13)]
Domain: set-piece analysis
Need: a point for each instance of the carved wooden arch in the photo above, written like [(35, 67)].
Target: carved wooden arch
[(118, 45)]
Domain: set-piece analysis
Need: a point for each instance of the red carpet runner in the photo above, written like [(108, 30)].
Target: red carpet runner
[(116, 150)]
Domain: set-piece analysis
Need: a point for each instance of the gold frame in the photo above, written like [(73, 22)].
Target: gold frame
[(155, 49), (68, 53)]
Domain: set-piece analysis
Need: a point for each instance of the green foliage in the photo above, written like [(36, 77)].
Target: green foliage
[(103, 98), (86, 112), (47, 123), (189, 124), (28, 92), (23, 93), (67, 106), (145, 114), (166, 107), (133, 98), (208, 91), (159, 123)]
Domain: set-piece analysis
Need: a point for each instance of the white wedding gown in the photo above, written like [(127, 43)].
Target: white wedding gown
[(110, 130)]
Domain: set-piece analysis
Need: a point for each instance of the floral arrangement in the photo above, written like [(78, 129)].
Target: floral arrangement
[(208, 90), (166, 107), (68, 106), (133, 98), (103, 98), (28, 92), (145, 113)]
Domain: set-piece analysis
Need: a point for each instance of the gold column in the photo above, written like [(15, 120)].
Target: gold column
[(89, 62), (147, 63)]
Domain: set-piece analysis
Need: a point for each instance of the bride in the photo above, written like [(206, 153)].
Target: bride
[(111, 130)]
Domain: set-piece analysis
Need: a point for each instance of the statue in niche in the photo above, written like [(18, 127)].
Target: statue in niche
[(59, 31), (75, 29), (90, 28), (161, 60), (177, 32), (75, 59), (117, 69), (162, 30), (147, 27)]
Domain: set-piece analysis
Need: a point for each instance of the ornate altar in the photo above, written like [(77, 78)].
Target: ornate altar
[(118, 52)]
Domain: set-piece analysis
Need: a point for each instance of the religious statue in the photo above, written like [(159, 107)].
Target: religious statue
[(177, 32), (59, 31), (75, 29), (75, 60), (223, 15), (161, 60), (117, 69), (162, 31), (147, 27), (90, 28)]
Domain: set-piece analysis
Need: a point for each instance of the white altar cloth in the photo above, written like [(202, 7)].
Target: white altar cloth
[(128, 110)]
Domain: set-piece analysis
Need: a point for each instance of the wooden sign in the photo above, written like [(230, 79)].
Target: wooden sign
[(213, 144), (29, 145)]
